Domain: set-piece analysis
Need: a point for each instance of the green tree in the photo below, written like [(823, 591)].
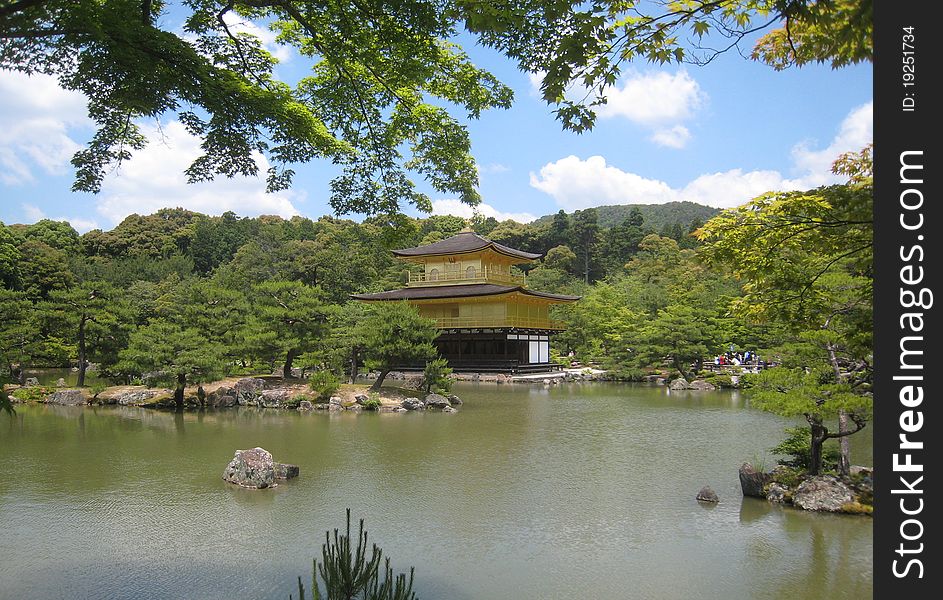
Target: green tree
[(180, 352), (585, 231), (815, 395), (43, 269), (372, 101), (292, 315), (807, 262), (16, 332), (681, 334), (395, 335), (92, 316), (9, 258)]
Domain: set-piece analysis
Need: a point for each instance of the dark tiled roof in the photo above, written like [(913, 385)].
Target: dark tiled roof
[(457, 291), (466, 241)]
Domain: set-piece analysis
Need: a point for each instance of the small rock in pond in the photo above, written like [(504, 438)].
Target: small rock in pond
[(286, 471), (707, 495)]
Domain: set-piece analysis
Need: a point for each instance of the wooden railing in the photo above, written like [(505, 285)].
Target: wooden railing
[(483, 275), (497, 322)]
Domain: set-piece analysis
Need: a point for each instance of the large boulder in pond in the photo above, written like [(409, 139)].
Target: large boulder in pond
[(822, 492), (248, 390), (31, 382), (679, 384), (454, 400), (69, 397), (253, 468), (752, 481), (437, 401)]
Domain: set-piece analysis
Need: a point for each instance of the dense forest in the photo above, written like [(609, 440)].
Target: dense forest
[(69, 296)]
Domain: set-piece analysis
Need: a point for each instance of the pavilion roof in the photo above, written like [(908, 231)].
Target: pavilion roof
[(464, 242), (459, 291)]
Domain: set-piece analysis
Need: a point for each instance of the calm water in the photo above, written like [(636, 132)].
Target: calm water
[(579, 491)]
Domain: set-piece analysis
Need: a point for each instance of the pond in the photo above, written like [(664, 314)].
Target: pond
[(572, 491)]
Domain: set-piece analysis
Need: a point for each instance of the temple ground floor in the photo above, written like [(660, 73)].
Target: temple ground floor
[(496, 350)]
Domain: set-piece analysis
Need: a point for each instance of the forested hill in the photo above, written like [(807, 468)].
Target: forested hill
[(657, 216)]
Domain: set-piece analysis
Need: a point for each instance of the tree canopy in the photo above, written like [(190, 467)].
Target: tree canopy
[(386, 82)]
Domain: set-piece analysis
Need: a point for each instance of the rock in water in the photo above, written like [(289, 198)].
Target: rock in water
[(248, 391), (700, 384), (679, 384), (436, 401), (822, 492), (253, 468), (753, 481), (285, 471), (71, 397), (455, 400), (31, 382), (707, 495), (412, 404), (778, 493)]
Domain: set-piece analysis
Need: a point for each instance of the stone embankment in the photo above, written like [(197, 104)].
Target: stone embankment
[(829, 493)]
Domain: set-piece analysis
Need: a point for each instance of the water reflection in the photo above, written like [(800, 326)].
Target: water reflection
[(559, 492)]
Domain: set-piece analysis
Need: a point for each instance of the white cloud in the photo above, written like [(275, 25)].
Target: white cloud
[(458, 208), (655, 100), (154, 179), (493, 168), (673, 137), (856, 131), (35, 117), (576, 183), (238, 25), (34, 213)]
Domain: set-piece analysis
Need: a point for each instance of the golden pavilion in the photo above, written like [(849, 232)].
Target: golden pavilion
[(487, 318)]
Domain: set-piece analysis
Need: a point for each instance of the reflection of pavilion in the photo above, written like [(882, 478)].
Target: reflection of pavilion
[(488, 319)]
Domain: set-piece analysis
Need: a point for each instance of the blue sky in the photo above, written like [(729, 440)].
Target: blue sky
[(718, 135)]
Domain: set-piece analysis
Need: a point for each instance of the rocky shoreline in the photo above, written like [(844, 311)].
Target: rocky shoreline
[(256, 392), (827, 493)]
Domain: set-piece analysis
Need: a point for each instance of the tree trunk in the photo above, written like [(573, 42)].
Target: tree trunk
[(379, 382), (289, 360), (353, 365), (818, 438), (844, 462), (178, 392), (82, 354)]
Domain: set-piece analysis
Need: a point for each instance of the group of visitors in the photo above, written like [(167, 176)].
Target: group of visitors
[(738, 358)]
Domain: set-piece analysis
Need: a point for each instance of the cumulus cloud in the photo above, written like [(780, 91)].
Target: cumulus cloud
[(654, 100), (34, 213), (238, 25), (154, 179), (458, 208), (35, 118), (575, 183)]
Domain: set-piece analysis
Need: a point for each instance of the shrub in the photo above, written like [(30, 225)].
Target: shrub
[(347, 572), (372, 404), (436, 376), (798, 447), (324, 384), (31, 394)]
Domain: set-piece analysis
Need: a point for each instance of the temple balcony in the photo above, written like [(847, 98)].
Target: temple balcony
[(498, 323), (469, 275)]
